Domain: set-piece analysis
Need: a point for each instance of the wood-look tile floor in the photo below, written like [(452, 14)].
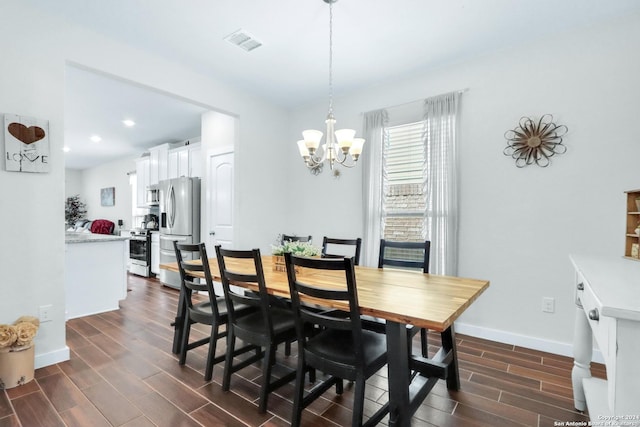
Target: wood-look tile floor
[(122, 373)]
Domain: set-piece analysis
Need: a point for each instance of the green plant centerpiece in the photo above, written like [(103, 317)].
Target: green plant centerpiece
[(303, 249)]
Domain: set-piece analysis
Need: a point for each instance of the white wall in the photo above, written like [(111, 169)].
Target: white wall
[(72, 183), (517, 226), (112, 174), (32, 206)]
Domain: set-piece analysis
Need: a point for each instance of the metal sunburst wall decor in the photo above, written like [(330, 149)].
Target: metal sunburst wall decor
[(535, 141)]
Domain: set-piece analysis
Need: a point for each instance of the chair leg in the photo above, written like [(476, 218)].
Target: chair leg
[(185, 340), (339, 386), (287, 348), (228, 359), (423, 342), (268, 360), (358, 401), (299, 392), (208, 372), (272, 355)]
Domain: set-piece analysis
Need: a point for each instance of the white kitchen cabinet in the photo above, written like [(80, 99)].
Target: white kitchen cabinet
[(142, 174), (155, 253), (158, 157), (195, 161), (184, 161)]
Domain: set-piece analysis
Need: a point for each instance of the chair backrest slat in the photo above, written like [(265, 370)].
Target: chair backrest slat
[(413, 255), (193, 258), (356, 243), (288, 238)]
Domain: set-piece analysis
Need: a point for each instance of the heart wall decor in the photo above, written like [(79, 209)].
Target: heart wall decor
[(25, 134), (26, 142)]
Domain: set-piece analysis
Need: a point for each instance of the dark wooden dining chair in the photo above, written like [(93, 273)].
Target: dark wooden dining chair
[(268, 326), (288, 238), (356, 243), (292, 238), (212, 311), (338, 346), (407, 255)]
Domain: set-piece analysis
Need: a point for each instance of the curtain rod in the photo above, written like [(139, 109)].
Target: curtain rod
[(418, 100)]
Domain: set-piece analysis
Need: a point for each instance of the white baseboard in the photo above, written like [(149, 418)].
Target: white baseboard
[(555, 347), (51, 358)]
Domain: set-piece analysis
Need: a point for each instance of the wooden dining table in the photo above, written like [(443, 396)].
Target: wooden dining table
[(401, 298)]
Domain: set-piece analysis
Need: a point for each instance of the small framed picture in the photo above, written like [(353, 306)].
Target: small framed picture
[(108, 196)]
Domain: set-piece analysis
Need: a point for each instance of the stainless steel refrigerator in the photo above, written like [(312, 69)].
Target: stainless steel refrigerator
[(179, 220)]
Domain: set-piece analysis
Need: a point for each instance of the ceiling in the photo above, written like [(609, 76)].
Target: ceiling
[(96, 104), (374, 41)]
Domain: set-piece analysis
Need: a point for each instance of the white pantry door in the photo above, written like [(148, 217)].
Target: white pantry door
[(220, 209)]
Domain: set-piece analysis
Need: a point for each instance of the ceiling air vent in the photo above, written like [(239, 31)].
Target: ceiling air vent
[(244, 40)]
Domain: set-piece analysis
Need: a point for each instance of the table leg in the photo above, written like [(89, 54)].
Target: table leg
[(448, 337), (398, 368), (582, 352)]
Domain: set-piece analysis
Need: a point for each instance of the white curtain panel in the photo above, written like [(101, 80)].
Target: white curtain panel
[(441, 180), (373, 131)]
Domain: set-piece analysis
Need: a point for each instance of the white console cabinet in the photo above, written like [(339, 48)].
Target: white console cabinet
[(607, 297)]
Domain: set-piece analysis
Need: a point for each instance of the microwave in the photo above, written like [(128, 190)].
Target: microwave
[(153, 195)]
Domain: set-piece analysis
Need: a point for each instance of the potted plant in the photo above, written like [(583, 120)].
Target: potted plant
[(74, 210), (304, 249)]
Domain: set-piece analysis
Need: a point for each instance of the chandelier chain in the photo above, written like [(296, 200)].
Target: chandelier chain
[(331, 57)]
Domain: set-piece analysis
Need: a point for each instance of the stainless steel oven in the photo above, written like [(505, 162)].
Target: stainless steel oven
[(140, 253)]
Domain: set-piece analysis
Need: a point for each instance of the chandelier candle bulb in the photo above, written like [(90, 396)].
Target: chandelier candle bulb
[(345, 134), (356, 148), (312, 137), (304, 151), (345, 139)]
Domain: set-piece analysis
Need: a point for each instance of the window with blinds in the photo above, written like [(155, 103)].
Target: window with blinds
[(404, 197)]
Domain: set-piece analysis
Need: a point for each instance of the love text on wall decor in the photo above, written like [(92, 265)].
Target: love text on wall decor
[(26, 141)]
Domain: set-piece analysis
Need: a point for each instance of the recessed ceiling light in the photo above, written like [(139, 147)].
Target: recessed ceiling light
[(66, 149), (129, 123), (95, 138)]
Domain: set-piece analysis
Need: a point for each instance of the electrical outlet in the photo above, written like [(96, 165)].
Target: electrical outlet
[(44, 313), (548, 305)]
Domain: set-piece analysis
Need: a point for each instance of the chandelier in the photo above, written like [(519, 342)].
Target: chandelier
[(341, 146)]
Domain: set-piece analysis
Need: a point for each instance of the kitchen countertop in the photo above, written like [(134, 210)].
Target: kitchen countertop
[(91, 238)]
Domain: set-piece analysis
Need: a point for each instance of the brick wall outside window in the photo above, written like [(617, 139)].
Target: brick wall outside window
[(410, 200)]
